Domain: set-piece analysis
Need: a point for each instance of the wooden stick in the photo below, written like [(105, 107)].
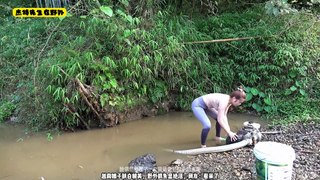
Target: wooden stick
[(221, 40), (272, 132), (307, 151)]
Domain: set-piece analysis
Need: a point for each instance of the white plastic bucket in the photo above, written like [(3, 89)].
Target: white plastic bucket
[(273, 160)]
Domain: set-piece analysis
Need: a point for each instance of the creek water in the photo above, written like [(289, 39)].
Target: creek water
[(86, 154)]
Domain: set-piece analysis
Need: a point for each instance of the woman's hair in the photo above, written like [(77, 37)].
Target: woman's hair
[(239, 93)]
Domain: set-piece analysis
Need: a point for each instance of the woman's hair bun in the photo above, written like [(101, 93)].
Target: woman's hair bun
[(240, 88)]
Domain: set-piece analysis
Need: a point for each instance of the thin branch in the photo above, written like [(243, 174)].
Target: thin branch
[(79, 117)]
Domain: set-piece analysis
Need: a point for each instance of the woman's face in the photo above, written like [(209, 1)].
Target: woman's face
[(237, 102)]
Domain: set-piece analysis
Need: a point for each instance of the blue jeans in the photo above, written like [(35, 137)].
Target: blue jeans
[(201, 112)]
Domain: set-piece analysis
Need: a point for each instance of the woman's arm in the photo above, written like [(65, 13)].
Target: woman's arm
[(223, 121)]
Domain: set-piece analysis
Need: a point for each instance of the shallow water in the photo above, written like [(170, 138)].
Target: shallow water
[(86, 154)]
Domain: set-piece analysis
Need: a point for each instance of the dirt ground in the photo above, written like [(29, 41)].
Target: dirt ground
[(240, 163)]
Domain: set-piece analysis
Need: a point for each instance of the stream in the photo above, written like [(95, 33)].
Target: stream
[(86, 154)]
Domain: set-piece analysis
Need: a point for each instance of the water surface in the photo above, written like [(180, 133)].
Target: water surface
[(85, 154)]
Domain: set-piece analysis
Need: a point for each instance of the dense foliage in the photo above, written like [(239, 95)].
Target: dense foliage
[(126, 57), (280, 63)]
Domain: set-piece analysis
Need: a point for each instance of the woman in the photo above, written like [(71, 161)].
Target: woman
[(216, 105)]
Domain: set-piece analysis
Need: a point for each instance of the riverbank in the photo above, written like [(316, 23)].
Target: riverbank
[(240, 163)]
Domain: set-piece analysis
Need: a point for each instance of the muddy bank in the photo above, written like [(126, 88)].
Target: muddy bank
[(240, 163)]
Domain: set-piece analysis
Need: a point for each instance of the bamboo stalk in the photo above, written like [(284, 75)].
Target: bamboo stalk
[(222, 40)]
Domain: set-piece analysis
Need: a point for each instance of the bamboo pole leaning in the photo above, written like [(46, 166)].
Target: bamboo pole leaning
[(222, 40)]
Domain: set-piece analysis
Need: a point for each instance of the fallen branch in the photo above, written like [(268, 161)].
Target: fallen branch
[(83, 92), (79, 117)]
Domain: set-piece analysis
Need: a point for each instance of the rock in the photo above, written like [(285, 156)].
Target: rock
[(176, 162), (142, 164), (300, 176), (313, 175), (237, 173), (246, 169), (303, 162), (240, 163)]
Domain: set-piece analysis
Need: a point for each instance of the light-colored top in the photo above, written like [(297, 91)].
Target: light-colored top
[(216, 100)]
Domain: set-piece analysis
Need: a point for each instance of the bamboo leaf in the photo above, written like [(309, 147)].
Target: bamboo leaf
[(267, 101), (113, 83), (249, 97), (135, 84), (261, 94), (302, 92), (126, 33), (247, 89), (257, 107), (293, 88), (129, 19), (107, 10), (103, 99), (267, 108), (254, 91), (287, 92)]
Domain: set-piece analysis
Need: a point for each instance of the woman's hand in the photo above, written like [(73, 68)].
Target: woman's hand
[(233, 136)]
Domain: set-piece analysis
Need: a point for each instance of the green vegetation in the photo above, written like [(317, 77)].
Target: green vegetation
[(279, 67), (6, 110), (67, 73), (49, 136)]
